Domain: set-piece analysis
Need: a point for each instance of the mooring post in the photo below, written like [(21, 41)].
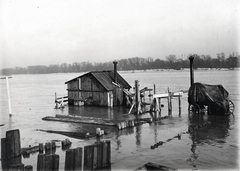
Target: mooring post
[(78, 158), (55, 162), (56, 104), (40, 148), (88, 157), (11, 151), (13, 144), (169, 103), (47, 162), (41, 162), (69, 160), (179, 104), (48, 148), (160, 109), (137, 97), (154, 89), (191, 58), (99, 154), (157, 109)]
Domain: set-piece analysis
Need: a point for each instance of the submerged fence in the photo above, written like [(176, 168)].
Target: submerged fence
[(90, 157)]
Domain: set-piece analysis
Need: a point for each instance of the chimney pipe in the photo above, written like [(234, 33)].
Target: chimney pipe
[(115, 71), (191, 58)]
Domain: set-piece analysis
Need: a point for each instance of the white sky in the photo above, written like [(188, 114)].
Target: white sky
[(44, 32)]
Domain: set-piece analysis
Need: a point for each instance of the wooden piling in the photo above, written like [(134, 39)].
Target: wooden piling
[(160, 110), (69, 160), (137, 97), (66, 144), (48, 148), (157, 108), (108, 142), (13, 144), (104, 156), (88, 157), (179, 105), (95, 155), (154, 89), (99, 154), (40, 148), (48, 162), (169, 103), (3, 149), (55, 162), (78, 158), (53, 144), (41, 162)]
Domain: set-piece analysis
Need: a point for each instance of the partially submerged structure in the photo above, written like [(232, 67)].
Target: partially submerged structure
[(98, 88), (214, 97)]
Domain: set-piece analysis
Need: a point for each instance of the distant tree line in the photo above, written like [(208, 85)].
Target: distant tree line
[(134, 63)]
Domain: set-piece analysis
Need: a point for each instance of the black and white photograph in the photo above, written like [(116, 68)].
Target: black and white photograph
[(119, 85)]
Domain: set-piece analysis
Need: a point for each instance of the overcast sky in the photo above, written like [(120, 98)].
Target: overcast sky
[(44, 32)]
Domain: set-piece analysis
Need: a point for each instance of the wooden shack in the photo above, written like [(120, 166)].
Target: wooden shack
[(98, 88)]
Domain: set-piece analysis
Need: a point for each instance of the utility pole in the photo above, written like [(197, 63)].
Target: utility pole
[(8, 92)]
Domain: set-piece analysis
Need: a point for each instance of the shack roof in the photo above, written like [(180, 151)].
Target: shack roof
[(105, 78)]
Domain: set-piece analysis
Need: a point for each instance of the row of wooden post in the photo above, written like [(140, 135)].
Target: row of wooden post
[(93, 157), (90, 157), (11, 152), (96, 156)]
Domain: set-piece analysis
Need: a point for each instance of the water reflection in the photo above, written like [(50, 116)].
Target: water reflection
[(129, 131), (117, 112), (216, 130), (10, 123), (207, 129), (138, 135)]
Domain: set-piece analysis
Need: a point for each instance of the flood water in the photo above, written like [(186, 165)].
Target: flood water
[(213, 147)]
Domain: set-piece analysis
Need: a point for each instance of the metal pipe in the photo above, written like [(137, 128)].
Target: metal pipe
[(115, 71), (191, 58)]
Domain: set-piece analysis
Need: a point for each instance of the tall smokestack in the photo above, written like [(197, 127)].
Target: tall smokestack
[(191, 58), (115, 71)]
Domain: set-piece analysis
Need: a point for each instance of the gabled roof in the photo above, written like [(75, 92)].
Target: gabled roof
[(105, 78)]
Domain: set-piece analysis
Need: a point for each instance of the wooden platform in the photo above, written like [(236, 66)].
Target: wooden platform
[(81, 119), (120, 124)]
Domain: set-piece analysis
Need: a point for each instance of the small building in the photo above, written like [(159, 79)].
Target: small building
[(98, 88)]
